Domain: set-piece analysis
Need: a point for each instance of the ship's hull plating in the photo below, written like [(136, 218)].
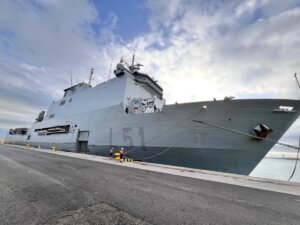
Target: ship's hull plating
[(172, 137)]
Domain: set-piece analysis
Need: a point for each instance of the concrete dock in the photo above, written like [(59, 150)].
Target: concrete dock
[(39, 186)]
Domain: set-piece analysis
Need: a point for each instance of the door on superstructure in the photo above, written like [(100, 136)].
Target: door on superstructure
[(82, 141)]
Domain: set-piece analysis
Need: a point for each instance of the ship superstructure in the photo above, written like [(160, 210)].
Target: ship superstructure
[(130, 111)]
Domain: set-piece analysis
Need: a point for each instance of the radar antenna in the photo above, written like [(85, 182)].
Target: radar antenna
[(91, 76), (133, 67)]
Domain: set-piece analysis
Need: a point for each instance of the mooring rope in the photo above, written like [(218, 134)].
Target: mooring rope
[(167, 130), (268, 140), (295, 167), (162, 152), (219, 127), (249, 135)]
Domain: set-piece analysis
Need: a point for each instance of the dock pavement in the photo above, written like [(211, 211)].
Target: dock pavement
[(40, 186)]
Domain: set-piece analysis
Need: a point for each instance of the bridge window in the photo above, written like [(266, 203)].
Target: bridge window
[(62, 102)]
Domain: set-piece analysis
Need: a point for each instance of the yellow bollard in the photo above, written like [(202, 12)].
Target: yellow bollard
[(117, 156)]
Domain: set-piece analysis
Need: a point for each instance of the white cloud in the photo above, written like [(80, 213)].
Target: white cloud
[(40, 31), (196, 49), (39, 41), (212, 49), (246, 7)]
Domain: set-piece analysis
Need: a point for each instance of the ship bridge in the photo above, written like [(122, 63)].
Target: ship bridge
[(142, 93), (140, 78), (143, 78)]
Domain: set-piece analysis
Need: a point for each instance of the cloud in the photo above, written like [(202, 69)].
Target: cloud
[(39, 31), (39, 41), (222, 46), (197, 50)]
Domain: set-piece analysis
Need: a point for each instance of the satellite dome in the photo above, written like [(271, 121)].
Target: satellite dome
[(120, 66)]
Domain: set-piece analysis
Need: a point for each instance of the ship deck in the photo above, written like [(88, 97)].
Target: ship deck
[(40, 186)]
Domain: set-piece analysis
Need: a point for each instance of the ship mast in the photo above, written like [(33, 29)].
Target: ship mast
[(91, 76), (133, 56), (297, 80), (133, 67)]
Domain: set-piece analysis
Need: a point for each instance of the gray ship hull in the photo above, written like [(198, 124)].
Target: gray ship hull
[(172, 137)]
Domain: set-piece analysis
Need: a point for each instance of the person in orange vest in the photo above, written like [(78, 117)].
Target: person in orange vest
[(122, 152), (111, 152)]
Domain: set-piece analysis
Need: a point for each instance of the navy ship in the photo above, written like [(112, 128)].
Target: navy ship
[(129, 111)]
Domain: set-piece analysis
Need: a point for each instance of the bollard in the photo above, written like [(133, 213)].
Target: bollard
[(54, 148), (117, 156)]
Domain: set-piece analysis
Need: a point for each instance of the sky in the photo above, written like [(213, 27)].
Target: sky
[(196, 49)]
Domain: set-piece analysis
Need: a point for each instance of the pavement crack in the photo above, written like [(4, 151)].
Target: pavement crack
[(96, 215)]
